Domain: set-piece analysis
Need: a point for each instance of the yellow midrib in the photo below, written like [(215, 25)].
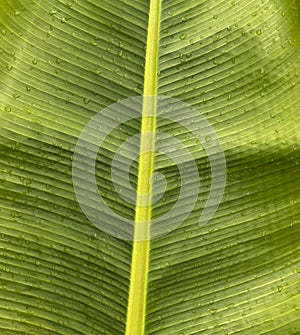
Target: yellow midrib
[(136, 311)]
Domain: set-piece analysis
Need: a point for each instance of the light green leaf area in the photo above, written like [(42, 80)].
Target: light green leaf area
[(235, 62)]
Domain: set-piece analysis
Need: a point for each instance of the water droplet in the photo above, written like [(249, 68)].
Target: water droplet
[(96, 71), (208, 138), (28, 88), (279, 288), (184, 19), (16, 95), (34, 62), (53, 12), (3, 32), (121, 45), (9, 67), (17, 13), (7, 109), (272, 115), (229, 28), (258, 32), (28, 110), (283, 14), (68, 4), (215, 17), (93, 44), (86, 100), (182, 36), (170, 13)]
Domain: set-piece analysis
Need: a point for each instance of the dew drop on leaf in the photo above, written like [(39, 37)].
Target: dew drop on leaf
[(53, 12), (279, 288), (68, 4)]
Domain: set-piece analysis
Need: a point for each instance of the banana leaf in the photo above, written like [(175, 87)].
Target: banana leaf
[(233, 65)]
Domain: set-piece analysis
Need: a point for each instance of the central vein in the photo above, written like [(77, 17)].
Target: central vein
[(136, 312)]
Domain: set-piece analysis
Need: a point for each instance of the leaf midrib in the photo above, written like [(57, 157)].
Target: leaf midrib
[(136, 311)]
